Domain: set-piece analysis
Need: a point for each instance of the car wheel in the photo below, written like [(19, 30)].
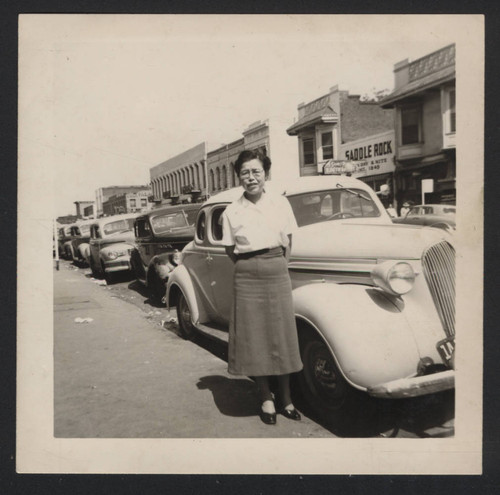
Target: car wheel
[(156, 286), (320, 382), (109, 277), (95, 273), (186, 328)]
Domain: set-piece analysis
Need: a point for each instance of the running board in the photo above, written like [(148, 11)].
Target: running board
[(215, 333)]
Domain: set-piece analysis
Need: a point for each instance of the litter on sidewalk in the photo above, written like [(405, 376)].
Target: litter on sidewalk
[(83, 320)]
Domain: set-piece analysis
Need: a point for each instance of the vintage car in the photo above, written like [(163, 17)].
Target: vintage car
[(65, 236), (374, 302), (160, 236), (111, 242), (77, 247), (440, 216)]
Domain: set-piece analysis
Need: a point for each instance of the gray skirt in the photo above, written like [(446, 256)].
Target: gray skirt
[(262, 333)]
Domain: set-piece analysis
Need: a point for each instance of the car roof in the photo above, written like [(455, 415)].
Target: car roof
[(297, 186), (170, 209), (439, 205), (114, 218)]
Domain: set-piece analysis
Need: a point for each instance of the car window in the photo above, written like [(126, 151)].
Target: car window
[(335, 204), (201, 226), (119, 226), (169, 222), (142, 228), (216, 223), (191, 216)]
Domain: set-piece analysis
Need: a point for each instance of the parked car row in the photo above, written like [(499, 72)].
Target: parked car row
[(374, 301)]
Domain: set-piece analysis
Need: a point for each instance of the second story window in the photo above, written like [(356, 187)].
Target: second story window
[(327, 145), (410, 125), (132, 203), (451, 123), (144, 202), (308, 151)]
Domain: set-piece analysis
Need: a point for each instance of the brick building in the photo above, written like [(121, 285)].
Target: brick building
[(425, 122), (198, 172), (131, 202), (104, 193), (81, 206), (328, 124)]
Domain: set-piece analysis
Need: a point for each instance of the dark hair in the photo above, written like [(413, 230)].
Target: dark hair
[(247, 155)]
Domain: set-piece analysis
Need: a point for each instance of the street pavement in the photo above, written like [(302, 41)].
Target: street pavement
[(128, 374), (122, 375)]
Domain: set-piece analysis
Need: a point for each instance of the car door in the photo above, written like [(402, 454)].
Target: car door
[(196, 259), (221, 268)]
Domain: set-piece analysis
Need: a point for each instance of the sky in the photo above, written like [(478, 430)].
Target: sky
[(105, 98)]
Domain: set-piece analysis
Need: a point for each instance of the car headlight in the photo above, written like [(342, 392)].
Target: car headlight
[(112, 255), (396, 278)]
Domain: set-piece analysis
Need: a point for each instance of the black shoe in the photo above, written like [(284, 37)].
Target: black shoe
[(291, 414), (268, 418)]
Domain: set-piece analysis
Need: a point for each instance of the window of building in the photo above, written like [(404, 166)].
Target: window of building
[(451, 111), (132, 203), (308, 151), (327, 145), (144, 202), (410, 125)]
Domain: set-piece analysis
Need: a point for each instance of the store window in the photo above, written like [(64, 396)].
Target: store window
[(411, 125), (327, 145), (308, 151)]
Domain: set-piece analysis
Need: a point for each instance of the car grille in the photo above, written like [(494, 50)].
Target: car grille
[(438, 263)]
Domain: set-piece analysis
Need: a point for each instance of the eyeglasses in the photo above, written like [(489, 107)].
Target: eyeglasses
[(256, 172)]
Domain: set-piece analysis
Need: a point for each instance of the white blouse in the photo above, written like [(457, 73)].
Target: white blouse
[(251, 227)]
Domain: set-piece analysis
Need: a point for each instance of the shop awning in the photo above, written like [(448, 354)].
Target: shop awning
[(326, 115)]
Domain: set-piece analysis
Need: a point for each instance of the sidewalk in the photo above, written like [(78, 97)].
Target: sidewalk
[(124, 376)]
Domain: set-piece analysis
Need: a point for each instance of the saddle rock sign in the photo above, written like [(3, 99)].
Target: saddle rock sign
[(364, 157)]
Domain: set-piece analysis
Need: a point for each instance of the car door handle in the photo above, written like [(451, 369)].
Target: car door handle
[(209, 258)]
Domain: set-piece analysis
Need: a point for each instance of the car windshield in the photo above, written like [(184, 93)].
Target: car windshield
[(171, 221), (333, 204), (119, 226)]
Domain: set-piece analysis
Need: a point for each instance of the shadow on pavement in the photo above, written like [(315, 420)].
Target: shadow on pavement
[(233, 396), (423, 417), (143, 291)]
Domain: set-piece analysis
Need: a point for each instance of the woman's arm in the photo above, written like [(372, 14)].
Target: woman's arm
[(288, 250), (230, 253)]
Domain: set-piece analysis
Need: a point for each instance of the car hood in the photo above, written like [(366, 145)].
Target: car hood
[(344, 239), (127, 237)]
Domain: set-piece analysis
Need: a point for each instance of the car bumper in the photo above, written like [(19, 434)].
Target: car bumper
[(413, 387), (116, 266)]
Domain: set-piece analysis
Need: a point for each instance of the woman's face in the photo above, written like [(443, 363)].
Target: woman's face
[(253, 177)]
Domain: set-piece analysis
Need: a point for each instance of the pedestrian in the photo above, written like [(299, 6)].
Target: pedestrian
[(405, 209), (257, 233)]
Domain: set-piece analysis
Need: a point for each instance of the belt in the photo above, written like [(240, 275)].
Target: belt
[(277, 251)]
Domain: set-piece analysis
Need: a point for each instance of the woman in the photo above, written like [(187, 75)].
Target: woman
[(262, 335)]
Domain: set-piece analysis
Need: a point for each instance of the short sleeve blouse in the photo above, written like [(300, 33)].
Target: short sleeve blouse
[(265, 224)]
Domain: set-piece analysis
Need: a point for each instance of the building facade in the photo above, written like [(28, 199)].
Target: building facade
[(132, 202), (425, 123), (326, 125), (104, 193), (198, 173), (81, 207)]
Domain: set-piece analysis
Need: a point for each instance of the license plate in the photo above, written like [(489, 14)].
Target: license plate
[(446, 348)]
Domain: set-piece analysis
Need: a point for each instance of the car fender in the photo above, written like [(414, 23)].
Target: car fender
[(366, 331), (180, 280), (84, 250), (161, 265)]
